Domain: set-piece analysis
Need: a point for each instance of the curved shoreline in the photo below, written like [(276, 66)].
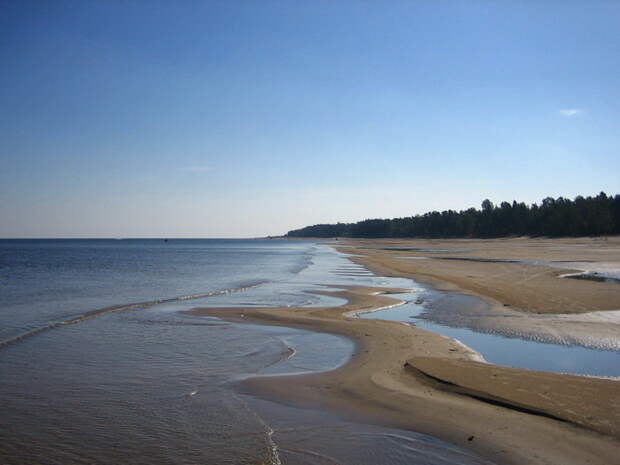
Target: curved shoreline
[(497, 271), (377, 385), (528, 301)]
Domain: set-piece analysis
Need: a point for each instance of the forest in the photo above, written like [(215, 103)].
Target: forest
[(582, 216)]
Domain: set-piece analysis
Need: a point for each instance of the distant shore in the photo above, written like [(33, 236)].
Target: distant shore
[(414, 379)]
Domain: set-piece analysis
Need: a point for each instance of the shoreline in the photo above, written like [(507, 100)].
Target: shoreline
[(528, 301), (377, 385), (514, 273)]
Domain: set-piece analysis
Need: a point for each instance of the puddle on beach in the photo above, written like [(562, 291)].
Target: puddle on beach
[(593, 277), (603, 272), (502, 350)]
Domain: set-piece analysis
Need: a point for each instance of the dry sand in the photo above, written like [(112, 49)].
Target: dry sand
[(406, 377)]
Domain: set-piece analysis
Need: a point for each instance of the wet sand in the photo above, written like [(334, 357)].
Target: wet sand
[(405, 377), (531, 301), (491, 268)]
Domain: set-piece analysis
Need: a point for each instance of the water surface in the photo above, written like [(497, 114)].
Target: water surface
[(150, 385), (499, 349)]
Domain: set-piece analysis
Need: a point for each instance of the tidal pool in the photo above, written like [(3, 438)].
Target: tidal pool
[(510, 351)]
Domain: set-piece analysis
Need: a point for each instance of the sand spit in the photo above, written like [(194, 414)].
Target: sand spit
[(380, 384), (567, 398)]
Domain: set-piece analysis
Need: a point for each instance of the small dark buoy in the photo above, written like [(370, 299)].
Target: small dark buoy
[(165, 240)]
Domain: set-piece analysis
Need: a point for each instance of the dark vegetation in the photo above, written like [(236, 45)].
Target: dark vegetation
[(583, 216)]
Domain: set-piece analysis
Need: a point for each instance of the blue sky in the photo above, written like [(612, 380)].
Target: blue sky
[(248, 118)]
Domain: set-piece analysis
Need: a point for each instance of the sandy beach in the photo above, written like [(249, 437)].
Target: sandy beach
[(410, 378), (521, 280), (519, 273)]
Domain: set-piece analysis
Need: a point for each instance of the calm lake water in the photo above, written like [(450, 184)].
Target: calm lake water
[(143, 384)]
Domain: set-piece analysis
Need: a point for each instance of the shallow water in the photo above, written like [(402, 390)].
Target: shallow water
[(150, 385), (596, 271), (499, 349)]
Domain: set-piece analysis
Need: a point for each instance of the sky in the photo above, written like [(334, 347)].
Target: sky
[(250, 118)]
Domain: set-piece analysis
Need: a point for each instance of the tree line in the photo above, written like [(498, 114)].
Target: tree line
[(583, 216)]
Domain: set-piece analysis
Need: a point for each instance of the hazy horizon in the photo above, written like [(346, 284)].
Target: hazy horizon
[(273, 236), (249, 119)]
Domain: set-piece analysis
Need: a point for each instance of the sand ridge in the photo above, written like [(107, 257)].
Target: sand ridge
[(569, 398)]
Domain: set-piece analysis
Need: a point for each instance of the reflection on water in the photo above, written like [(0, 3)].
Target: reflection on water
[(501, 350), (593, 277)]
